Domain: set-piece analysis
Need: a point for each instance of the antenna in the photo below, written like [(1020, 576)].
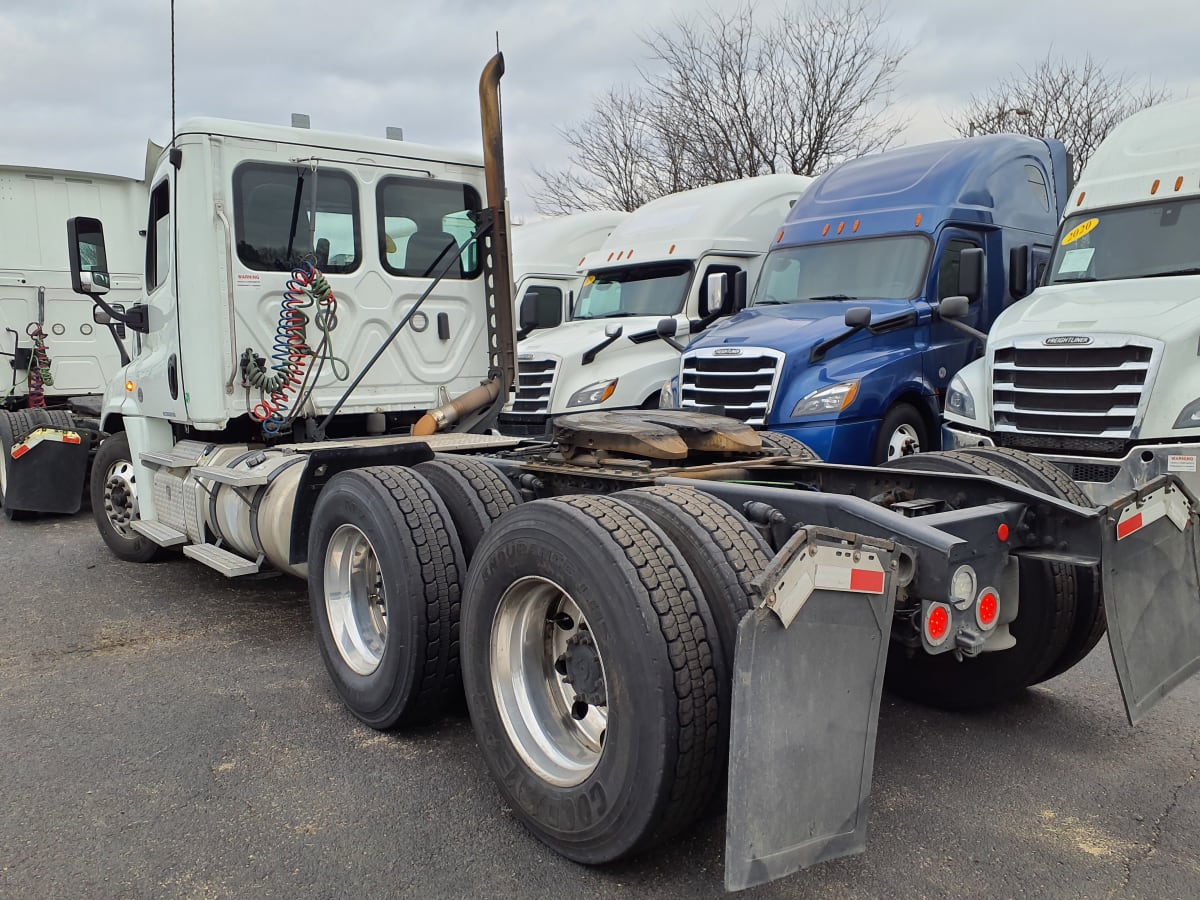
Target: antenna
[(173, 73)]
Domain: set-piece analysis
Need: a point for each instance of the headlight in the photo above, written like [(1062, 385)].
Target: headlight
[(830, 399), (593, 394), (666, 397), (1190, 417), (959, 400)]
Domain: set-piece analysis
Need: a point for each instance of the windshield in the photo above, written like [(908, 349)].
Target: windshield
[(892, 268), (657, 290), (1154, 239)]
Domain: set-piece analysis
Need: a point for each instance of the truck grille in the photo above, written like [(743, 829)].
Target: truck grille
[(523, 426), (535, 385), (740, 385), (1088, 391)]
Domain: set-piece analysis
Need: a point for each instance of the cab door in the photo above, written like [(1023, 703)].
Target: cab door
[(949, 349)]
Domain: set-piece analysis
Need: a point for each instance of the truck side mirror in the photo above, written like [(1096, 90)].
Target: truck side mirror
[(89, 262), (101, 317), (740, 290), (540, 309), (858, 317), (1018, 271), (717, 284), (970, 273), (954, 307), (614, 330), (666, 329)]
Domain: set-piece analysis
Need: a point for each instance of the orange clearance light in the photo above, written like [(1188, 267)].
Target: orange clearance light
[(1082, 194), (581, 259), (619, 255), (629, 255), (855, 227), (1179, 182), (130, 387), (779, 237), (672, 250), (988, 609), (825, 230), (1154, 187), (917, 224), (841, 226), (610, 256), (1002, 532)]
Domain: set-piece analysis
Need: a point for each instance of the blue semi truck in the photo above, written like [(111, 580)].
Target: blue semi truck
[(843, 346)]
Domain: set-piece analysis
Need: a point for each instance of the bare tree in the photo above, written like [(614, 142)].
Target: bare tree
[(731, 95), (1077, 102)]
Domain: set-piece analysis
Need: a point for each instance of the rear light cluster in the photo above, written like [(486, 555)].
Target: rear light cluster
[(975, 607)]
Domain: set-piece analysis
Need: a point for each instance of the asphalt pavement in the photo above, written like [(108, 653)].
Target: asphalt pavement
[(166, 732)]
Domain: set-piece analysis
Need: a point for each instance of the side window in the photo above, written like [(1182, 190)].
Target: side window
[(158, 236), (730, 271), (947, 277), (424, 223), (544, 302), (1037, 184), (284, 215)]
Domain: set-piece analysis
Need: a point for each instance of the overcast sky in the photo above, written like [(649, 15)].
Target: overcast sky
[(86, 82)]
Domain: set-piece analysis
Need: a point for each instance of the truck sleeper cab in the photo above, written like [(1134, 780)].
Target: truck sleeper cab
[(645, 291), (1098, 370), (842, 346)]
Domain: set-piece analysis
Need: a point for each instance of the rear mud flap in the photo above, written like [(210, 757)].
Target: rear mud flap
[(808, 672), (1151, 577)]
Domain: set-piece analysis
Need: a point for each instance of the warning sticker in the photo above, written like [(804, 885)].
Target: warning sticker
[(250, 280), (1177, 462), (1079, 231)]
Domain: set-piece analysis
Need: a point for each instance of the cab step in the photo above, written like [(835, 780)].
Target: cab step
[(163, 535), (233, 477), (228, 564)]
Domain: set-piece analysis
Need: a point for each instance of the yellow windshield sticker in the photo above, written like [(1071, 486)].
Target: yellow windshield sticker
[(589, 279), (1079, 231)]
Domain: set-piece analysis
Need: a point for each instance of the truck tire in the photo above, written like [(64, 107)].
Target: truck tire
[(1041, 628), (1090, 619), (385, 571), (475, 494), (590, 677), (787, 445), (114, 501), (902, 432), (7, 439)]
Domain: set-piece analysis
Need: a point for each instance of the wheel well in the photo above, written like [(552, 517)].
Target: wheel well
[(113, 423), (921, 405)]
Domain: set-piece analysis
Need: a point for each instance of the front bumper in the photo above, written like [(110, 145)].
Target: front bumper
[(1105, 479), (845, 443)]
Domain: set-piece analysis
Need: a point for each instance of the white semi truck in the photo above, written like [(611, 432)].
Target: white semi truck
[(59, 360), (652, 599), (547, 255), (645, 292), (1098, 370)]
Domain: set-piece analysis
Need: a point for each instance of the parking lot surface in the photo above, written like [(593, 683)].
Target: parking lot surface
[(165, 732)]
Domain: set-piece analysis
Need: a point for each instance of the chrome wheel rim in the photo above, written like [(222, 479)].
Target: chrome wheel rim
[(4, 457), (549, 682), (904, 442), (355, 601), (120, 497)]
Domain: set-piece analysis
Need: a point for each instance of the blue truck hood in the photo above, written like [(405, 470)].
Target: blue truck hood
[(795, 328)]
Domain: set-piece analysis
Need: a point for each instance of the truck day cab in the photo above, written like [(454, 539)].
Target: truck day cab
[(651, 600), (647, 285), (1099, 370), (842, 346), (58, 359), (546, 259)]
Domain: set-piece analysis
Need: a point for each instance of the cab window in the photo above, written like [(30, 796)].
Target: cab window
[(947, 277), (158, 236), (285, 215), (425, 228)]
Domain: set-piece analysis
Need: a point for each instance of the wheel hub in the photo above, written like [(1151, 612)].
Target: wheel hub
[(120, 496), (581, 662)]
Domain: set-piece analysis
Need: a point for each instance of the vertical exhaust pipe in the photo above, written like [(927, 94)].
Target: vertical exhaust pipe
[(497, 270)]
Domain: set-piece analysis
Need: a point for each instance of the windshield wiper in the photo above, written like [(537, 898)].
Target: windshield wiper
[(829, 297), (616, 315), (773, 302), (1169, 272), (1080, 280)]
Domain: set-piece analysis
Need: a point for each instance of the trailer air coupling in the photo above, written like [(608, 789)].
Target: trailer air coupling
[(447, 414)]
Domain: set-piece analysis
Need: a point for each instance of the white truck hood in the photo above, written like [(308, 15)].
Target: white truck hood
[(570, 340), (1152, 307)]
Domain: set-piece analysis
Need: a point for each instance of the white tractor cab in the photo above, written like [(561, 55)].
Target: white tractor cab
[(238, 342), (674, 267), (546, 256), (58, 358), (1098, 369)]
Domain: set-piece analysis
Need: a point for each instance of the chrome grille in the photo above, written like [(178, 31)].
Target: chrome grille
[(535, 385), (1096, 390), (738, 384)]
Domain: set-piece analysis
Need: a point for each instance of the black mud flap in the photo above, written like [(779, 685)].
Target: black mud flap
[(1151, 572), (47, 471), (808, 672)]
